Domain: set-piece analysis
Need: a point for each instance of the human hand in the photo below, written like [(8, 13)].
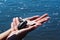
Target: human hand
[(22, 32)]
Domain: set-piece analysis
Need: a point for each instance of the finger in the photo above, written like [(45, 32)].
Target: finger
[(43, 20), (11, 24), (17, 21), (37, 25), (45, 15), (32, 18), (14, 21), (14, 24), (12, 27)]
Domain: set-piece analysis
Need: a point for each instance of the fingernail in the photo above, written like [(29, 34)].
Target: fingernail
[(47, 18)]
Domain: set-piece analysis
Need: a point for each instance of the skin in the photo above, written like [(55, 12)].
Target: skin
[(4, 35), (20, 34)]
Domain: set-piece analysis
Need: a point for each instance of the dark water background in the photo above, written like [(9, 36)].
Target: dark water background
[(26, 8)]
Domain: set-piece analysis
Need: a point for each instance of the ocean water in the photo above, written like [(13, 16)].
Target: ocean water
[(27, 8)]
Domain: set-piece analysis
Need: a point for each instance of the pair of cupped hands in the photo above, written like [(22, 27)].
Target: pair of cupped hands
[(20, 34)]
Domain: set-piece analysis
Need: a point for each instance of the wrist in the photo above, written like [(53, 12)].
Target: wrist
[(11, 29)]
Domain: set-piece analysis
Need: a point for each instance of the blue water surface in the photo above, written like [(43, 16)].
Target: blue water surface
[(27, 8)]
